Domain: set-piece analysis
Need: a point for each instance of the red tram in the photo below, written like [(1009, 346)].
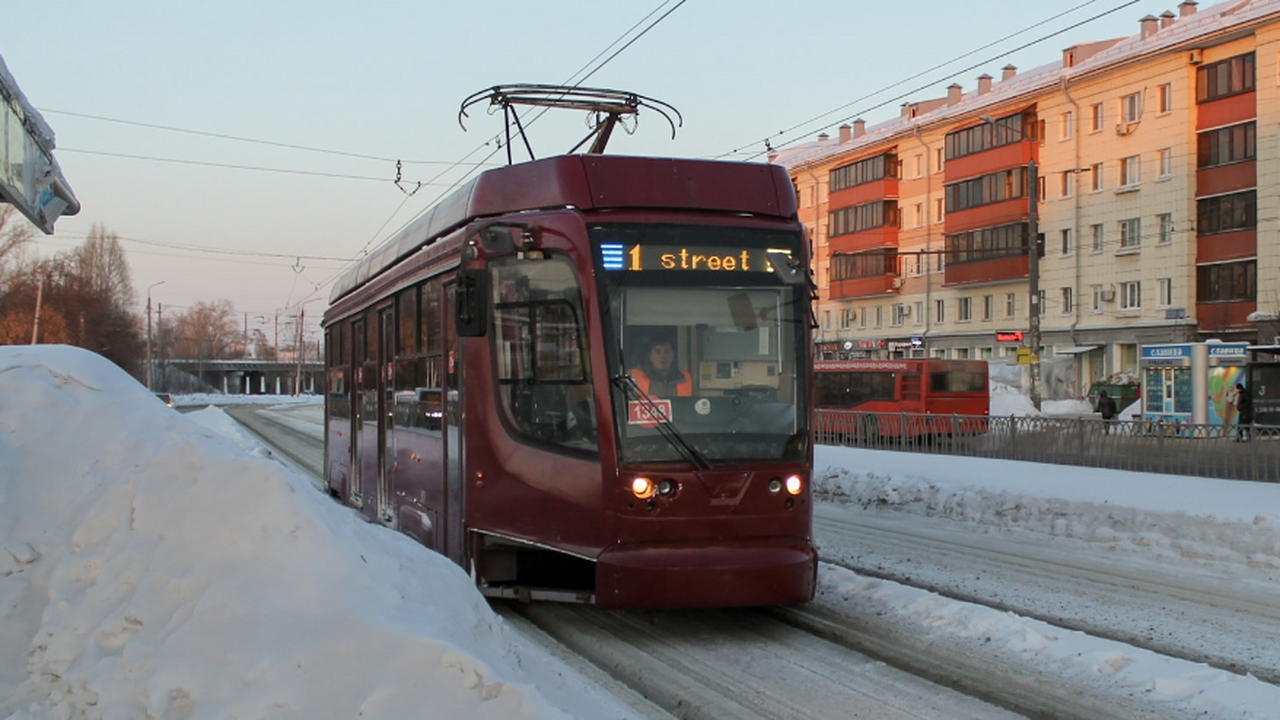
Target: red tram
[(901, 398), (479, 397)]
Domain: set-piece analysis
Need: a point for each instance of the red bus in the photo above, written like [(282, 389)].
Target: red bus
[(908, 398), (480, 397)]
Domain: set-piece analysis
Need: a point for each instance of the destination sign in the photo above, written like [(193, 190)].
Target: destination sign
[(681, 258)]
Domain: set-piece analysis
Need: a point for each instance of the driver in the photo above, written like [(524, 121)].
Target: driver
[(657, 374)]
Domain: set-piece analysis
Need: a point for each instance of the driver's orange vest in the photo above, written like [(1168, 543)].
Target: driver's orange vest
[(683, 389)]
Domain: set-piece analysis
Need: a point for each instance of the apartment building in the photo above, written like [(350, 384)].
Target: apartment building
[(1146, 166)]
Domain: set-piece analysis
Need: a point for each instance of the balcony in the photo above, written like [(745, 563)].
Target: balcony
[(1000, 269), (862, 287)]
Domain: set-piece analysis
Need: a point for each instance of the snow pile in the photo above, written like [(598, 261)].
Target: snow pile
[(1141, 512), (149, 567)]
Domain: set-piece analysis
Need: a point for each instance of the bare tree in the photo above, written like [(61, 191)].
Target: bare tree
[(14, 233), (206, 331), (101, 264)]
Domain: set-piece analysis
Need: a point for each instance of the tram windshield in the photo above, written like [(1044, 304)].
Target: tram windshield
[(709, 343)]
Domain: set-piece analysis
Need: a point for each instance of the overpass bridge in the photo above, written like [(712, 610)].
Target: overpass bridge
[(238, 377)]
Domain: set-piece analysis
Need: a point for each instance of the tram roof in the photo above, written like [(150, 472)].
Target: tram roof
[(587, 182)]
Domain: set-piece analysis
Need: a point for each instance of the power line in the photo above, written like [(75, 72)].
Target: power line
[(238, 138), (767, 140), (229, 166)]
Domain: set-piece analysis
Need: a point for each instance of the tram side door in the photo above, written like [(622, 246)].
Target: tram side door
[(454, 419), (386, 413), (359, 350)]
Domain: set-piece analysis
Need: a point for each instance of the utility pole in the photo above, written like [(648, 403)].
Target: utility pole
[(35, 330), (297, 387), (149, 363), (1033, 279)]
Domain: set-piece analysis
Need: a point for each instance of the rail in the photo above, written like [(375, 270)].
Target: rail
[(1213, 451)]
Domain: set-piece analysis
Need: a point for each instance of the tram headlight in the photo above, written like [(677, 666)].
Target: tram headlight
[(794, 484), (775, 485), (666, 487), (642, 487)]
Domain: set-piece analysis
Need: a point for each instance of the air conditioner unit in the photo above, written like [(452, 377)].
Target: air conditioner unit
[(897, 282), (1124, 128), (1196, 56), (906, 311), (1107, 295)]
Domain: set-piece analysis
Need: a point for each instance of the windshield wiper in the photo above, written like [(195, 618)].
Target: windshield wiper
[(665, 428)]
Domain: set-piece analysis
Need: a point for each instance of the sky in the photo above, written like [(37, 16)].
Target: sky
[(167, 565), (172, 119)]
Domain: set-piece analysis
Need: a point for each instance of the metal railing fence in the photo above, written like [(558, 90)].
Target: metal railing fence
[(1213, 451)]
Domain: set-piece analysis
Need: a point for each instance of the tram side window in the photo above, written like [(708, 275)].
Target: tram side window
[(848, 390), (338, 349), (957, 381), (544, 382), (411, 398)]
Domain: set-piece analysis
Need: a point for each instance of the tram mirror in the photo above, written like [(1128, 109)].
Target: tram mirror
[(786, 268), (498, 240), (470, 306)]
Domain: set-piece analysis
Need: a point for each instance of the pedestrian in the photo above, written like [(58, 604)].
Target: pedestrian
[(1107, 406), (1244, 412)]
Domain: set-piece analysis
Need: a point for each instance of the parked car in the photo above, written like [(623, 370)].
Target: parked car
[(165, 398)]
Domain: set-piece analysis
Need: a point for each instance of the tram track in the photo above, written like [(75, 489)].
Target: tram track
[(1205, 618), (786, 662)]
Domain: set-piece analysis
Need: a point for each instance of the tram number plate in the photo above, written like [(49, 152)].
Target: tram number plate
[(645, 414)]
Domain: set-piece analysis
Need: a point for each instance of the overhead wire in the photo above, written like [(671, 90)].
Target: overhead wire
[(768, 140)]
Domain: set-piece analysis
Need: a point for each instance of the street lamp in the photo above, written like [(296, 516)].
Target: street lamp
[(154, 284), (1033, 264)]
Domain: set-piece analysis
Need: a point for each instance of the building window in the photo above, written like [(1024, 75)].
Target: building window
[(1131, 295), (1097, 116), (1066, 241), (939, 311), (1166, 98), (965, 313), (1130, 171), (919, 165), (988, 189), (881, 213), (1227, 282), (1005, 131), (1222, 79), (1166, 292), (1067, 125), (1098, 237), (987, 244), (846, 318), (872, 263), (919, 312), (1131, 108), (1166, 228), (864, 171), (862, 319), (1066, 185), (1097, 299), (826, 319), (1010, 304), (939, 156), (1096, 180), (1066, 301), (899, 314), (1130, 233), (919, 213), (988, 307), (879, 316), (1227, 145), (1166, 162), (938, 209), (1223, 213)]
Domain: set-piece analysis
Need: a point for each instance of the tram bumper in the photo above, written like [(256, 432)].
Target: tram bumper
[(767, 571)]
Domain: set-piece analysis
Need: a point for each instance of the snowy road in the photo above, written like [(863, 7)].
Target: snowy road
[(1023, 592), (1203, 613)]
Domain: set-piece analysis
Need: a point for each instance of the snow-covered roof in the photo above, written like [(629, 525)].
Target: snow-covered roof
[(1183, 31)]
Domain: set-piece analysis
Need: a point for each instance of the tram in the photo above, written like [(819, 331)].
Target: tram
[(492, 393)]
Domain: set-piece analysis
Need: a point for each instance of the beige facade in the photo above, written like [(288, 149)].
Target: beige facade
[(1115, 149)]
